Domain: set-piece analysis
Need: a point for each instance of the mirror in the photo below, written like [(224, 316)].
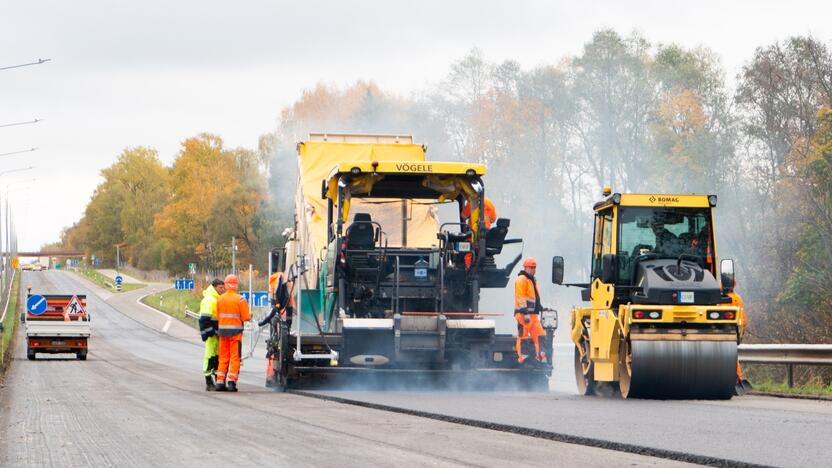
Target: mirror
[(726, 270), (557, 270), (608, 268)]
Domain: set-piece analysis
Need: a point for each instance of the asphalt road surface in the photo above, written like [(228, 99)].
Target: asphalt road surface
[(139, 401)]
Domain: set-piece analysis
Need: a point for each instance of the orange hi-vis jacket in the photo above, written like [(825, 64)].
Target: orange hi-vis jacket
[(274, 280), (232, 311), (526, 295), (490, 212)]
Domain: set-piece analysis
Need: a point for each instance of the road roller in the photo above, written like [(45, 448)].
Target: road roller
[(659, 323)]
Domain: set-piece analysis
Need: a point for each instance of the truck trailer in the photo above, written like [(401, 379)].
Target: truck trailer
[(57, 323)]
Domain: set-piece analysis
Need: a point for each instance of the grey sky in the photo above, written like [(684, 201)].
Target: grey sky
[(155, 72)]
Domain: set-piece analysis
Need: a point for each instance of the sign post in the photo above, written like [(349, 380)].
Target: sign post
[(119, 280)]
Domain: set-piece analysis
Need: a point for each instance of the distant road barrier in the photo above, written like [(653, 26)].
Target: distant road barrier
[(788, 354)]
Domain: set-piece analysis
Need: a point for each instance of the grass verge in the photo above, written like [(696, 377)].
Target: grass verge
[(107, 282), (779, 387), (10, 323), (173, 303)]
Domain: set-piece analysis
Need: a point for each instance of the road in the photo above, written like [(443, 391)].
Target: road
[(139, 400)]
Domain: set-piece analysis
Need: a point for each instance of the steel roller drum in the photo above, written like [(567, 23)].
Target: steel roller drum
[(683, 369)]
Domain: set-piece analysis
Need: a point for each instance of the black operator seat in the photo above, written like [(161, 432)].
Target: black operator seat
[(361, 233), (496, 236)]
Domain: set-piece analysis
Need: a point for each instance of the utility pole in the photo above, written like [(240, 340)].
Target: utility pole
[(118, 258)]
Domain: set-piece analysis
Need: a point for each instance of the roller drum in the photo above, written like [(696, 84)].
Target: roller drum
[(683, 369)]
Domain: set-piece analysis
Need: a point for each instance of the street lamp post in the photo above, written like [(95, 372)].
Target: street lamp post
[(40, 61), (14, 124), (19, 152), (5, 253)]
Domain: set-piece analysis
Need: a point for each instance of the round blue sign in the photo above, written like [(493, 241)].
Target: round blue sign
[(36, 304), (119, 279)]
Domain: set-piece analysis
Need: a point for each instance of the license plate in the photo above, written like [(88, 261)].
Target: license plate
[(686, 297), (58, 343)]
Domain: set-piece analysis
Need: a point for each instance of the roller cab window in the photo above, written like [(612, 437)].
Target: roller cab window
[(603, 240), (648, 233)]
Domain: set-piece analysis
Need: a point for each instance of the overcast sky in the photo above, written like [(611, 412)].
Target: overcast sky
[(155, 72)]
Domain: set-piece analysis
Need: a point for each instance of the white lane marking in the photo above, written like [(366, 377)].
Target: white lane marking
[(168, 318)]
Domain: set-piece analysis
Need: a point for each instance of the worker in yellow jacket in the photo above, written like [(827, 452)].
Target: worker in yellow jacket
[(208, 326)]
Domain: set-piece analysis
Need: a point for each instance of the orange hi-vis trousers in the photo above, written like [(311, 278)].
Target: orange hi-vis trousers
[(229, 366), (532, 330)]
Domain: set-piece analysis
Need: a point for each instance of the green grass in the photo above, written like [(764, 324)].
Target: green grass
[(10, 323), (106, 282), (779, 387), (173, 303)]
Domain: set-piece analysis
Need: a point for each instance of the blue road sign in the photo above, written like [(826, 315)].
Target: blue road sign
[(36, 304), (119, 279), (183, 284), (257, 298)]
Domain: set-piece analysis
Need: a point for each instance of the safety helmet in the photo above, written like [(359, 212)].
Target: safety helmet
[(231, 282), (529, 262)]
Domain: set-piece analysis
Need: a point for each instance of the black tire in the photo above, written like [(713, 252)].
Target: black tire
[(584, 371), (281, 380), (82, 355), (625, 367), (30, 355)]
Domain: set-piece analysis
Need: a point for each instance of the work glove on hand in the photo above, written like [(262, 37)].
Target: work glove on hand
[(527, 318)]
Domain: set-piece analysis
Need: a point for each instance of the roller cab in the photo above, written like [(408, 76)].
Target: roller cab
[(658, 323)]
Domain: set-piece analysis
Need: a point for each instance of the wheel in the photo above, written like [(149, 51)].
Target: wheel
[(625, 367), (30, 354), (81, 355), (281, 380), (584, 369)]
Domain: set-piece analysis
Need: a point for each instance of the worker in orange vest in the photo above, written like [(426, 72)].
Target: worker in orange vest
[(489, 218), (527, 309), (232, 311), (490, 213)]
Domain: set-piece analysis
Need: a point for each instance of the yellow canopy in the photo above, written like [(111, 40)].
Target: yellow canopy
[(316, 160)]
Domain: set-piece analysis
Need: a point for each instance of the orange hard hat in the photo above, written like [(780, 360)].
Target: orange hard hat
[(529, 262), (231, 282)]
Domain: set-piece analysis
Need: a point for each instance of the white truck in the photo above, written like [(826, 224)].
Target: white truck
[(57, 324)]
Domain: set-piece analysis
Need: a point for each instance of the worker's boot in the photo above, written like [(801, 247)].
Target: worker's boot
[(220, 386), (209, 384), (232, 386)]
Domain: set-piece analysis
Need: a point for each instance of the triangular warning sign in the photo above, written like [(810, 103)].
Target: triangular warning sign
[(74, 307)]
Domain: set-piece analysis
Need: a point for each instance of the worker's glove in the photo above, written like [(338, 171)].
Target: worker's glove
[(527, 318), (206, 328)]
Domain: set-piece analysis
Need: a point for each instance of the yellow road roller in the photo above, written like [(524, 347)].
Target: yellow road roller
[(659, 323)]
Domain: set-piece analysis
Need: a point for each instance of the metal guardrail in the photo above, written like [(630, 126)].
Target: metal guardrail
[(788, 354), (190, 314)]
